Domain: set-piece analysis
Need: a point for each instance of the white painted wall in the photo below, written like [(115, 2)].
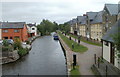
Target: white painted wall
[(71, 30), (106, 51), (32, 31)]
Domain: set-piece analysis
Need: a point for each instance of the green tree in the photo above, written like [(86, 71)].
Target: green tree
[(116, 38), (46, 27)]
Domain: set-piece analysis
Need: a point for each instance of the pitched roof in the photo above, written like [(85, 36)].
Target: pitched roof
[(74, 21), (31, 25), (112, 31), (81, 19), (112, 8), (91, 15), (13, 24), (98, 18)]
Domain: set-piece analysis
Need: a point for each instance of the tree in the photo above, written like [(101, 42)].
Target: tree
[(46, 27), (116, 38)]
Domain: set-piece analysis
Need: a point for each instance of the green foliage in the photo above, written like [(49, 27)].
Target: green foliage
[(75, 72), (77, 48), (89, 42), (22, 51), (17, 44), (65, 27), (46, 27), (7, 48), (27, 42), (116, 38), (5, 43)]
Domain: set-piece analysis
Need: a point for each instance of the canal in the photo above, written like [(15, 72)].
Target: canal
[(45, 58)]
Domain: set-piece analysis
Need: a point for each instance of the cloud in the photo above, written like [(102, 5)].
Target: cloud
[(55, 10)]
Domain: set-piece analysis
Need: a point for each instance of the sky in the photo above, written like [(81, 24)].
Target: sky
[(60, 11)]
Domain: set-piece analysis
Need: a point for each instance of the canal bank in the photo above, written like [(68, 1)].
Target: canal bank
[(45, 58), (15, 56), (68, 55)]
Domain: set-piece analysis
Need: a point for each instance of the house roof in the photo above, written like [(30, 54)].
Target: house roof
[(81, 19), (74, 21), (112, 31), (91, 15), (112, 8), (31, 25), (97, 18), (13, 24)]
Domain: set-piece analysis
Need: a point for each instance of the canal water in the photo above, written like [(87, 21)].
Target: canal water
[(45, 58)]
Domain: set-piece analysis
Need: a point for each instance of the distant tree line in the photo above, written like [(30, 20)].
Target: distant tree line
[(46, 27)]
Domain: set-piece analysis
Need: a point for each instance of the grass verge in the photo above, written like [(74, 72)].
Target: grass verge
[(75, 71), (89, 42), (77, 48)]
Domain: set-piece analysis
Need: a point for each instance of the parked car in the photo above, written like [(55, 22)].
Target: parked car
[(10, 41), (1, 41)]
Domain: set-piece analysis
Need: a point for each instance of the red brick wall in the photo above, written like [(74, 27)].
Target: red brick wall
[(22, 34)]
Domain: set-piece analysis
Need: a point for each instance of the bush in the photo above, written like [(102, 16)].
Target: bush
[(17, 44), (22, 51), (5, 43), (27, 42), (7, 48)]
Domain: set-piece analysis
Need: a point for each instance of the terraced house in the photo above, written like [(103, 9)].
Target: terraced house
[(12, 30), (74, 26), (82, 25), (97, 27), (110, 13), (90, 18)]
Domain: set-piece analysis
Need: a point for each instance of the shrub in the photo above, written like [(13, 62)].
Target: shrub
[(27, 42), (22, 51), (17, 43), (5, 43), (7, 48)]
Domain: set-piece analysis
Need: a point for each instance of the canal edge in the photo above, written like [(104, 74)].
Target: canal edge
[(68, 60)]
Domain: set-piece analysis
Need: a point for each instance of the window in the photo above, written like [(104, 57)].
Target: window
[(5, 31), (16, 37), (106, 43), (16, 30), (33, 28)]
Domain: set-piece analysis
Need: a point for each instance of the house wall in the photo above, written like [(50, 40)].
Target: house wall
[(12, 34), (24, 34), (32, 31), (71, 29), (106, 51), (82, 30), (96, 31), (111, 20)]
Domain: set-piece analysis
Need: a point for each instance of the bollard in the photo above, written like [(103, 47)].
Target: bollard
[(95, 58), (74, 61)]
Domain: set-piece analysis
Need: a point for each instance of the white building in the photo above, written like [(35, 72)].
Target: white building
[(32, 30), (108, 47)]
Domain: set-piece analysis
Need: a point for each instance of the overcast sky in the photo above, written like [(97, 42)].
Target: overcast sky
[(55, 10)]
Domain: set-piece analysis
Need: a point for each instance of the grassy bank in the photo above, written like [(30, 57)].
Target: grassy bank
[(75, 71), (89, 42), (77, 48)]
